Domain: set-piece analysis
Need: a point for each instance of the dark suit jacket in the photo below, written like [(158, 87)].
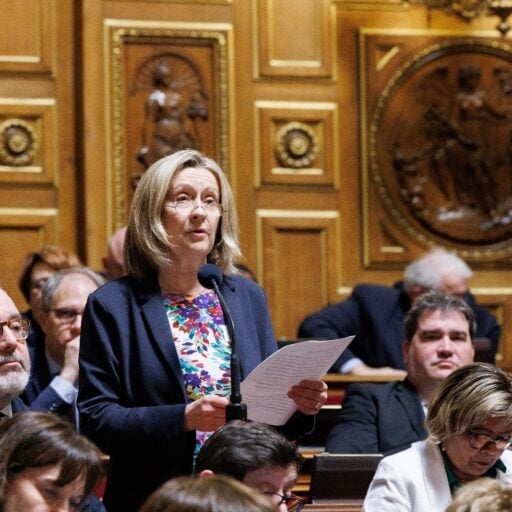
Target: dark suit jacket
[(378, 418), (38, 394), (131, 394), (375, 314)]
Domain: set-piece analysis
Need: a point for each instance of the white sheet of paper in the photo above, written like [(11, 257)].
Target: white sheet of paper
[(264, 389)]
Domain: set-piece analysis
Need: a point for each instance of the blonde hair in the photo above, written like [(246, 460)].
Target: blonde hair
[(467, 398), (213, 494), (482, 495), (147, 247)]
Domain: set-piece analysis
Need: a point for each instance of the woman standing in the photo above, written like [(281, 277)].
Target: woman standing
[(155, 352)]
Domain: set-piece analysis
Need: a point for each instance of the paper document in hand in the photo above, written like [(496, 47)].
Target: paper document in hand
[(265, 388)]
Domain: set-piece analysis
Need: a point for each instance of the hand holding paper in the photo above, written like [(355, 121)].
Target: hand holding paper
[(265, 389)]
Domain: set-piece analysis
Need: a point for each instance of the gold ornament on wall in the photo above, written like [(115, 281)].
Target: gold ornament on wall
[(18, 143), (470, 9), (296, 145)]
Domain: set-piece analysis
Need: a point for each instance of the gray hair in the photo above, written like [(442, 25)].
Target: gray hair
[(467, 398), (437, 301), (147, 247), (51, 286), (429, 270)]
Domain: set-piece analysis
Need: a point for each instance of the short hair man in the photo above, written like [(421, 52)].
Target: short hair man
[(256, 454), (53, 382), (113, 262), (375, 314), (385, 418)]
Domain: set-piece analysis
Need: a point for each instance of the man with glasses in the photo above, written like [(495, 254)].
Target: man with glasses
[(257, 455), (53, 381), (14, 358)]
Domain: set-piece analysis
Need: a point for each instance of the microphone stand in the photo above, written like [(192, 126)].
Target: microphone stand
[(236, 410)]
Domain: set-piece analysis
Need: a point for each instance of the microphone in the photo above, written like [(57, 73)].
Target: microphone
[(210, 276)]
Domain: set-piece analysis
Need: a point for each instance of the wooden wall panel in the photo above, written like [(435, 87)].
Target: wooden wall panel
[(27, 37), (38, 175), (297, 247), (296, 143), (311, 26)]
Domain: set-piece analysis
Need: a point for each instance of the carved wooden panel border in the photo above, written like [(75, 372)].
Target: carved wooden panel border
[(28, 140), (133, 50), (436, 126), (296, 143), (34, 27), (272, 33), (298, 259)]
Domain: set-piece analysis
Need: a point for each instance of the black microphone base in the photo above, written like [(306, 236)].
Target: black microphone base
[(236, 412)]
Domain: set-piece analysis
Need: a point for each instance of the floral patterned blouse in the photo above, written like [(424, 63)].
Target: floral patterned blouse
[(203, 346)]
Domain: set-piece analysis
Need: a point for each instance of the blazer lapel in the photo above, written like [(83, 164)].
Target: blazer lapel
[(410, 400), (434, 474), (153, 313)]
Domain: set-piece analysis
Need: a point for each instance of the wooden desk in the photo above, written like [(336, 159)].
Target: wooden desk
[(337, 383)]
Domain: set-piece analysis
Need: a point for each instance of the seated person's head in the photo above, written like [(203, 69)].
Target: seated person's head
[(470, 416), (45, 464), (438, 270), (253, 453), (439, 331), (482, 495), (214, 494)]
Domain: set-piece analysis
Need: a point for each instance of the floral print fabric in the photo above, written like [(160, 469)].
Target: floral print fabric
[(201, 340)]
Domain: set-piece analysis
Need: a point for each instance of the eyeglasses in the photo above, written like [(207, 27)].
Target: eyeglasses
[(292, 502), (189, 205), (19, 327), (484, 442), (66, 314), (39, 284)]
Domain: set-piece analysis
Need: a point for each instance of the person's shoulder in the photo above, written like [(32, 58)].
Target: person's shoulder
[(373, 388), (125, 286), (375, 290)]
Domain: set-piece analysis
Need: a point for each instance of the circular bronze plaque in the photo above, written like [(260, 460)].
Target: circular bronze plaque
[(441, 143)]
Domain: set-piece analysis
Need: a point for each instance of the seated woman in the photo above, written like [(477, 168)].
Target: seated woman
[(214, 494), (470, 424), (45, 465)]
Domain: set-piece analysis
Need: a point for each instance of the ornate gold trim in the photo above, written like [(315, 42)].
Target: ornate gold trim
[(18, 143), (119, 32), (296, 145)]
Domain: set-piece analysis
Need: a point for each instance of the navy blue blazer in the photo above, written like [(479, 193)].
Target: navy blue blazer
[(375, 314), (38, 394), (378, 418), (131, 392)]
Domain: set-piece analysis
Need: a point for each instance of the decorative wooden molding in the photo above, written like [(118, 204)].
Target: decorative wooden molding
[(276, 57), (27, 44), (28, 140), (427, 153), (130, 44), (291, 141), (313, 234)]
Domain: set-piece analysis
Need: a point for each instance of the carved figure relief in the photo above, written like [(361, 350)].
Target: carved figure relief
[(444, 137), (176, 101)]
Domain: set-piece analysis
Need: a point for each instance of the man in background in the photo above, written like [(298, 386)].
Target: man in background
[(375, 314), (257, 455), (386, 418), (53, 381)]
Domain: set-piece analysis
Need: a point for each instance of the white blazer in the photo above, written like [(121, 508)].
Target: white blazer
[(415, 480)]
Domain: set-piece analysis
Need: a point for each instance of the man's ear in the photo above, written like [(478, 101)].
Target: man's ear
[(206, 473)]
